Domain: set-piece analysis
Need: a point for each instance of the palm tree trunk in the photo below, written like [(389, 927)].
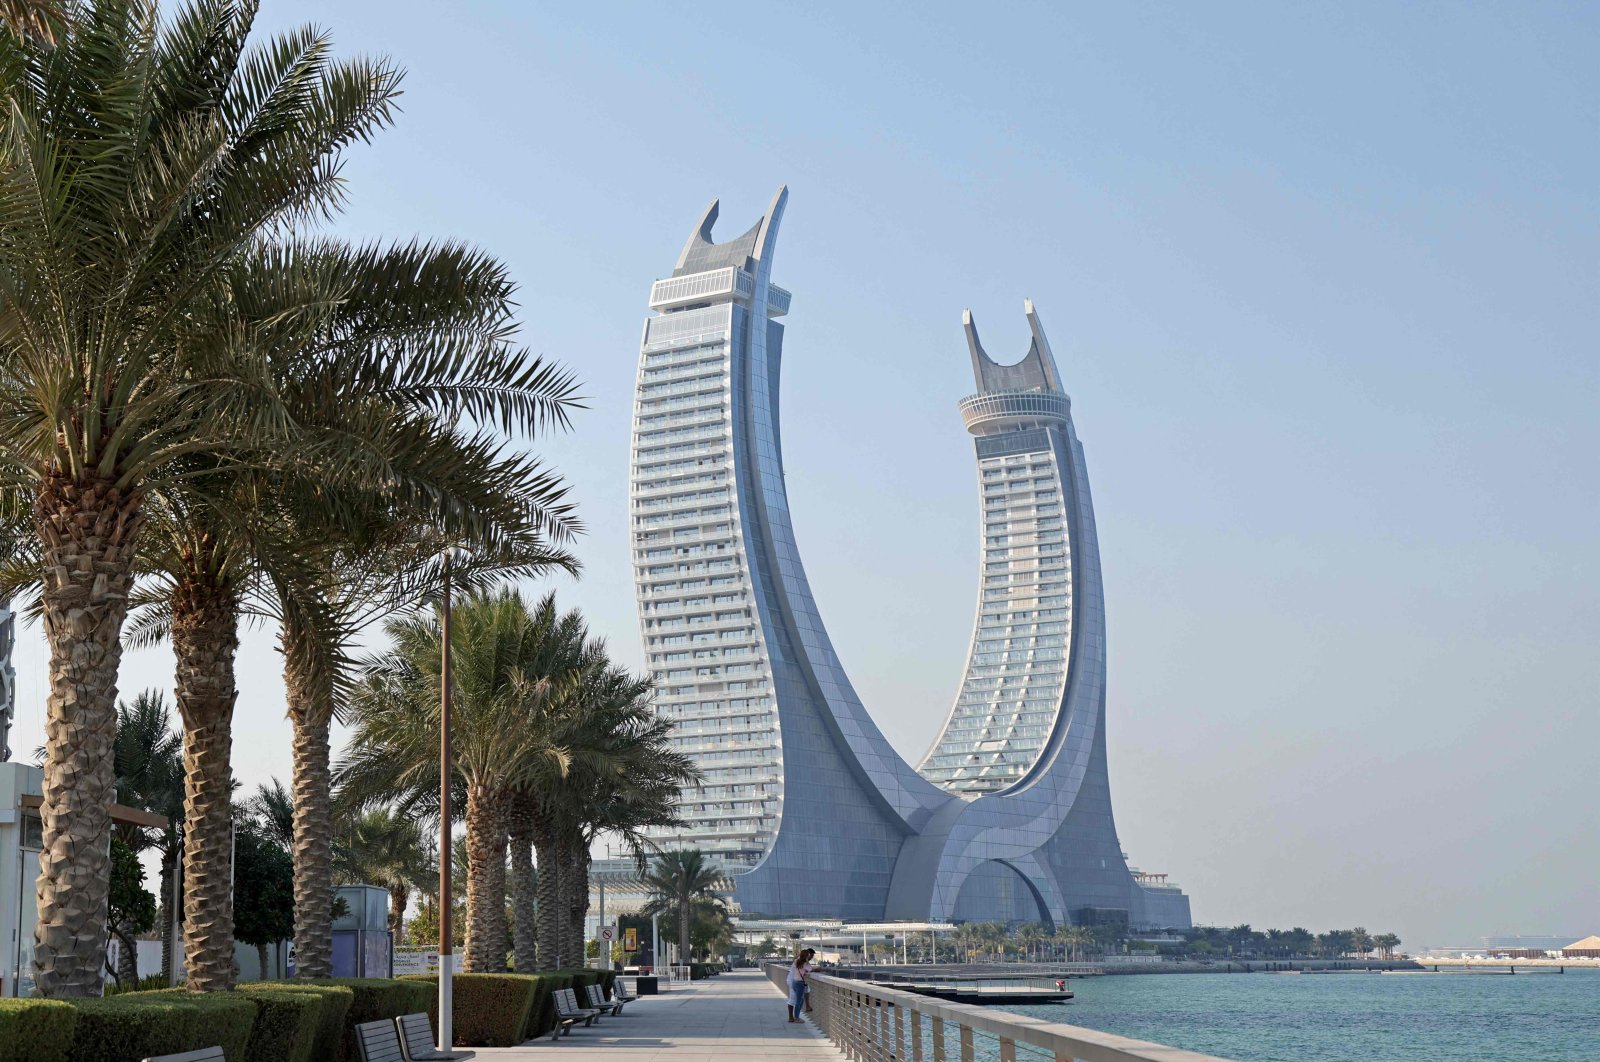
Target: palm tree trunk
[(575, 893), (168, 913), (87, 533), (399, 897), (486, 884), (313, 848), (127, 959), (524, 930), (551, 917), (205, 636), (310, 712), (683, 927)]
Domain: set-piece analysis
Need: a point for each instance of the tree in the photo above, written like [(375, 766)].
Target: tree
[(625, 776), (40, 19), (271, 811), (138, 158), (389, 850), (681, 884), (131, 910), (1360, 941), (499, 736), (149, 772), (1386, 943), (263, 890)]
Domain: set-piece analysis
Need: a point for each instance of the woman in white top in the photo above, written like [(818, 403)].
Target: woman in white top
[(798, 987)]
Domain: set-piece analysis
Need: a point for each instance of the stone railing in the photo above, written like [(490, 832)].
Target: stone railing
[(876, 1024)]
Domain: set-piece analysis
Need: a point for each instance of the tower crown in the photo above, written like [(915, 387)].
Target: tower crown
[(1035, 372), (1013, 397)]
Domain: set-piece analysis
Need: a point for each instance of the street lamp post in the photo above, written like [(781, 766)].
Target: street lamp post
[(447, 956)]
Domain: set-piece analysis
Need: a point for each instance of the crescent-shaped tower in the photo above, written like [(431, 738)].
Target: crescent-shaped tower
[(803, 800)]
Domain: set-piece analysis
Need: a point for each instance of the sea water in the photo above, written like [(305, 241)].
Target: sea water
[(1542, 1017)]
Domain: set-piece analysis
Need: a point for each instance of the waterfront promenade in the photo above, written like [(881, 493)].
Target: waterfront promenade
[(738, 1015)]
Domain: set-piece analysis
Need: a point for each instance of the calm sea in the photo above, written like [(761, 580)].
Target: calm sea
[(1370, 1017)]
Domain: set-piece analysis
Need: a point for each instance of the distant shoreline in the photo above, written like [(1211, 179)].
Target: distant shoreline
[(1112, 968)]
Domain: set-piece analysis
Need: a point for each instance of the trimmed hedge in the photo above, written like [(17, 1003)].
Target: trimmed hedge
[(41, 1027), (332, 1021), (489, 1010), (376, 999), (286, 1025), (544, 1019), (136, 1025)]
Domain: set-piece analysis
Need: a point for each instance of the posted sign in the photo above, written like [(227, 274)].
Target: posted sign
[(630, 939)]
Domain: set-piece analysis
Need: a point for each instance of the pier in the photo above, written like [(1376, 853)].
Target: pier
[(980, 984)]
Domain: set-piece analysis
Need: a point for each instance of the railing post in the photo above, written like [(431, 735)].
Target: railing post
[(1008, 1049), (916, 1035), (899, 1033), (938, 1039), (966, 1044)]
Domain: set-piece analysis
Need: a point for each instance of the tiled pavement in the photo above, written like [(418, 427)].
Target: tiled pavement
[(738, 1015)]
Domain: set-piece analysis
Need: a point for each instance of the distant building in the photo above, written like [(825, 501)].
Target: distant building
[(1587, 948), (1540, 942)]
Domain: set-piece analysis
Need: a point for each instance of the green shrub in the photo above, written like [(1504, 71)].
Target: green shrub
[(581, 979), (127, 1029), (332, 1020), (375, 999), (148, 983), (542, 1004), (41, 1027), (224, 1018), (490, 1010), (286, 1025), (545, 1019)]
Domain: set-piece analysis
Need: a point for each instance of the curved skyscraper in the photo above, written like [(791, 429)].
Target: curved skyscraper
[(803, 798)]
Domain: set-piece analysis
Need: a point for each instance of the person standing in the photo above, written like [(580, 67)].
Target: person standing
[(799, 987)]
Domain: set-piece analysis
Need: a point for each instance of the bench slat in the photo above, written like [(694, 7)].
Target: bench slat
[(379, 1041), (205, 1054)]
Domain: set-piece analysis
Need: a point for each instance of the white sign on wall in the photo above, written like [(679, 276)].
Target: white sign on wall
[(410, 959)]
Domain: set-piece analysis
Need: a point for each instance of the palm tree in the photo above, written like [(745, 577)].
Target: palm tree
[(390, 850), (39, 19), (149, 773), (680, 882), (500, 734), (138, 158), (377, 385), (625, 777)]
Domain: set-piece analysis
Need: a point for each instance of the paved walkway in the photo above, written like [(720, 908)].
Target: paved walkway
[(738, 1015)]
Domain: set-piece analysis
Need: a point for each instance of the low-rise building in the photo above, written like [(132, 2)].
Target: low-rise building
[(1587, 948)]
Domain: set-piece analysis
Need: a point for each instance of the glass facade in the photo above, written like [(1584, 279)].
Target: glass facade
[(803, 800)]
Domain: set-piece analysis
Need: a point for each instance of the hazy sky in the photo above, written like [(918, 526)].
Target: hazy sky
[(1321, 279)]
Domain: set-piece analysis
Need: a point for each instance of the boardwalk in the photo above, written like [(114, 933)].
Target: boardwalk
[(736, 1016)]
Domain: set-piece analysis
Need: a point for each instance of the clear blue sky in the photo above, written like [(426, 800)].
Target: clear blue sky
[(1321, 278)]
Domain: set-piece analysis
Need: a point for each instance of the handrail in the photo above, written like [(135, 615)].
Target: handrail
[(877, 1024)]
